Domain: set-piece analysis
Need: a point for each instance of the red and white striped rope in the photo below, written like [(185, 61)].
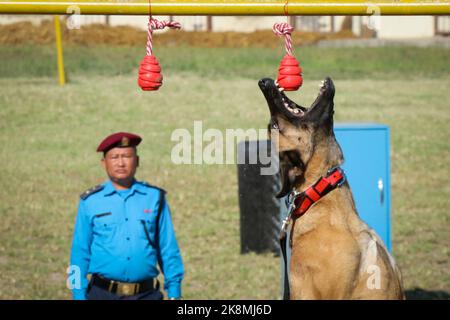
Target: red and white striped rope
[(155, 24), (284, 29)]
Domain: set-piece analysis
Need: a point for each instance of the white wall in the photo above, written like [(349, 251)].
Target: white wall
[(13, 18), (245, 24), (395, 27), (338, 22), (139, 22), (192, 23)]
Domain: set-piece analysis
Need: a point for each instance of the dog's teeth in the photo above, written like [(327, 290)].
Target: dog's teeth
[(296, 111)]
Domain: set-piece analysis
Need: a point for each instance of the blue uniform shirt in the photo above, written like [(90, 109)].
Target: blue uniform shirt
[(115, 237)]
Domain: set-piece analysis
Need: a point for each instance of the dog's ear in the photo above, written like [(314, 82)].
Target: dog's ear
[(291, 168)]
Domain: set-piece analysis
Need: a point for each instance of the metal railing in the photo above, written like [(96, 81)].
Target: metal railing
[(229, 7)]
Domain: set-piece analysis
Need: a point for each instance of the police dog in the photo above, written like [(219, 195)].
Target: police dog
[(334, 254)]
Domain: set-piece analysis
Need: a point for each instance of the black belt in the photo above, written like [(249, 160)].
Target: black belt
[(124, 288)]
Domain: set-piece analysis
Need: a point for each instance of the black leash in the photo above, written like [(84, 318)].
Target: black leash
[(286, 291), (290, 203)]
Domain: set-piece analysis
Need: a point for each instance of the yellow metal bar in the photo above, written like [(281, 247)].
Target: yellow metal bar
[(59, 52), (228, 7)]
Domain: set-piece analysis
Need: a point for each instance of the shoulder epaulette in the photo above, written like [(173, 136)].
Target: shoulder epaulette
[(91, 191), (152, 186)]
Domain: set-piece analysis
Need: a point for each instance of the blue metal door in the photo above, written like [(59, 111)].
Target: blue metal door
[(367, 166)]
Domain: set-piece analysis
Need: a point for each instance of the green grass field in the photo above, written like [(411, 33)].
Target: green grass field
[(49, 134)]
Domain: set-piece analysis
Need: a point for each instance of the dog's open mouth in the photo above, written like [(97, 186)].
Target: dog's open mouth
[(279, 102), (290, 106)]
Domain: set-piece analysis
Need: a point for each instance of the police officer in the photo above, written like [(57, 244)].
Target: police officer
[(123, 230)]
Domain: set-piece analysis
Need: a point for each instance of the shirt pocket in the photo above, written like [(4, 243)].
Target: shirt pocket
[(148, 226), (105, 223)]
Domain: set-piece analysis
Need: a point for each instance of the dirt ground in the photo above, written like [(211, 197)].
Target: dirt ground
[(94, 34)]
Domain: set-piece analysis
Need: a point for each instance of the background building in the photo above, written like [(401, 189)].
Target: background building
[(382, 27)]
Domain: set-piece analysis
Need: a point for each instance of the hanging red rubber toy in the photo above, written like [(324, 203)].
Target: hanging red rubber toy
[(150, 77), (289, 73)]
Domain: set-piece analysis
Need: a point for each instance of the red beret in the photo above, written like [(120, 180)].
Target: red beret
[(118, 140)]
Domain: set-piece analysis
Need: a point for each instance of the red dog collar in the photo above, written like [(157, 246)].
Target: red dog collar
[(304, 200)]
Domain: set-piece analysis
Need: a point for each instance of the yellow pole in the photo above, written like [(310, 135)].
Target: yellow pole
[(59, 51), (229, 7)]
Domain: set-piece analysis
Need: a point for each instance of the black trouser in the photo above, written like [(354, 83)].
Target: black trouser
[(97, 293)]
